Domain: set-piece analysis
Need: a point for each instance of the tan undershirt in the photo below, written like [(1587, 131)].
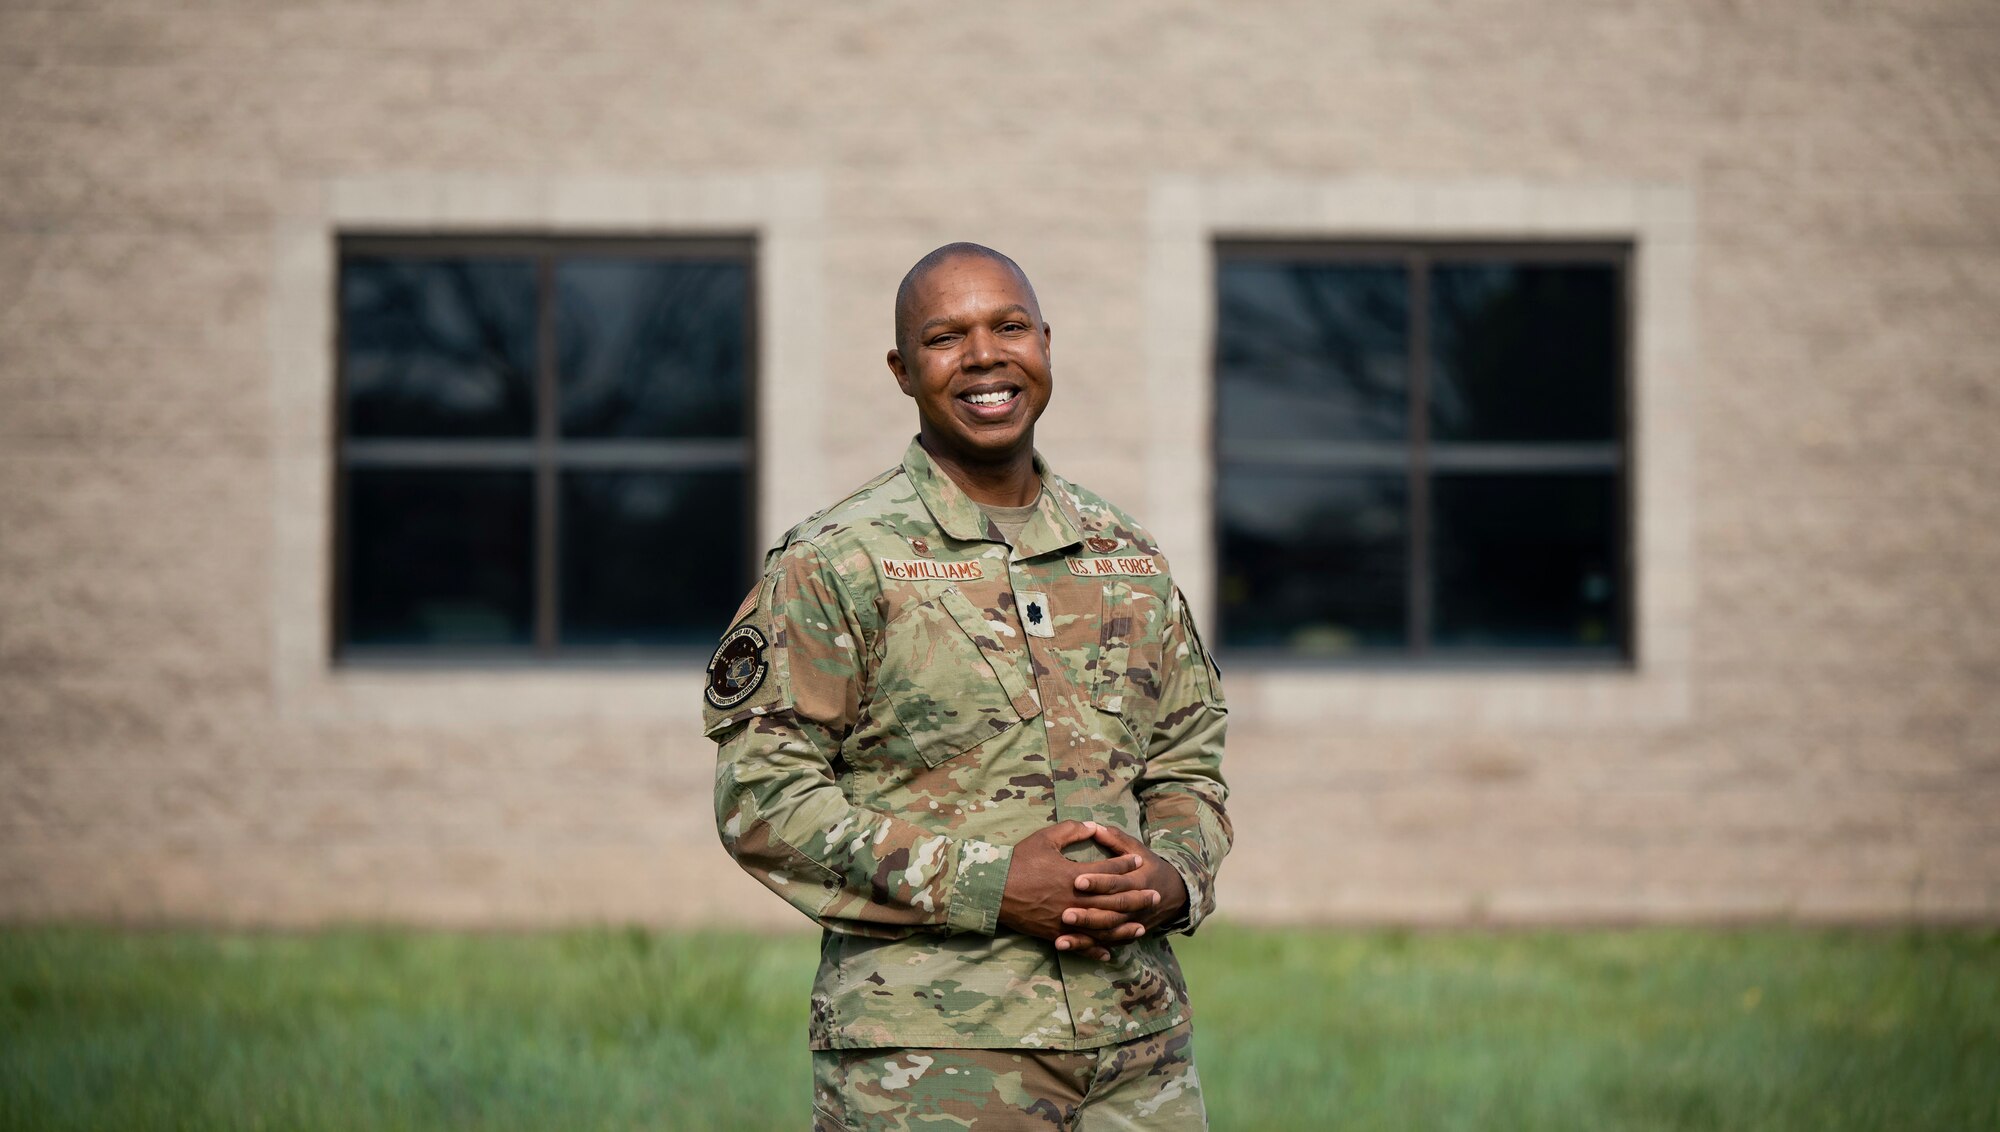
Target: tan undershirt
[(1011, 520)]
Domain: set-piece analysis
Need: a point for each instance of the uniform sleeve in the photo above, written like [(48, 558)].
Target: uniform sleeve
[(779, 806), (1181, 792)]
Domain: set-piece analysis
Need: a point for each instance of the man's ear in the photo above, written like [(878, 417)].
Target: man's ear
[(903, 381)]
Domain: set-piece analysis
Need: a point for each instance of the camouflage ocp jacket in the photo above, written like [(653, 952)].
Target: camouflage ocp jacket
[(904, 696)]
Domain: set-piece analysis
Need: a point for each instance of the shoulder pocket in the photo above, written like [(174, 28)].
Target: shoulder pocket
[(1125, 677), (1111, 683), (952, 682), (1207, 674)]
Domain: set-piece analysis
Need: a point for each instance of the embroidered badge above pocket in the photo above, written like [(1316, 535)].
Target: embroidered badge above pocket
[(1137, 566)]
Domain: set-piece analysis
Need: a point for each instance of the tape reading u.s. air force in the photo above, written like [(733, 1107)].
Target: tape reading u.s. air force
[(926, 570), (1138, 566)]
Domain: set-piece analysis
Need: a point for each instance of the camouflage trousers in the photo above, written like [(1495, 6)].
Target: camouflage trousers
[(1147, 1083)]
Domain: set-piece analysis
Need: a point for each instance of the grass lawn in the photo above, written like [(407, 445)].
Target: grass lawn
[(1759, 1029)]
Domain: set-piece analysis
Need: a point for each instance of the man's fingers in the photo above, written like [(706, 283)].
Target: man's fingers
[(1102, 922), (1070, 832), (1137, 900), (1083, 945), (1126, 904), (1117, 840), (1077, 943), (1098, 920), (1123, 933), (1077, 917), (1118, 878)]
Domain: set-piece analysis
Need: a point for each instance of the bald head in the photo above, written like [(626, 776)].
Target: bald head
[(906, 293)]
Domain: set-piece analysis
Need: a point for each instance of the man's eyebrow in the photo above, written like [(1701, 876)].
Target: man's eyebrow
[(1009, 309)]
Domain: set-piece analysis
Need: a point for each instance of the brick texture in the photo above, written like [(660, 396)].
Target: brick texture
[(1836, 754)]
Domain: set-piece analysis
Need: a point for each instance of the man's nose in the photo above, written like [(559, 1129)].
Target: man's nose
[(981, 349)]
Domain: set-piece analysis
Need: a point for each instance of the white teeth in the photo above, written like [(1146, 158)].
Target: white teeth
[(997, 398)]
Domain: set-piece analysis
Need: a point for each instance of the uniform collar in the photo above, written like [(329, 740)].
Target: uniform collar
[(1055, 524)]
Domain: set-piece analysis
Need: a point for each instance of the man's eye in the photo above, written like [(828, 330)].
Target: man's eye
[(943, 340)]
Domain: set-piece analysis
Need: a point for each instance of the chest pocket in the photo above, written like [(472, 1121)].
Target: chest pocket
[(953, 683), (1125, 679)]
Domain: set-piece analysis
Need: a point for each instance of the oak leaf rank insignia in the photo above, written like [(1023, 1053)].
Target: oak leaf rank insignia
[(1035, 615)]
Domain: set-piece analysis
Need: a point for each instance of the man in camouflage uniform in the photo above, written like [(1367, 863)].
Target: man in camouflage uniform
[(964, 722)]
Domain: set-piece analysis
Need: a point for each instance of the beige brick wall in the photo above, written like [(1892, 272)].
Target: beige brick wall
[(1814, 726)]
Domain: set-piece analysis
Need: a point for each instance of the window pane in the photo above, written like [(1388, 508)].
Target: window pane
[(439, 557), (654, 558), (1311, 352), (1524, 352), (1313, 563), (438, 346), (1526, 560), (652, 349)]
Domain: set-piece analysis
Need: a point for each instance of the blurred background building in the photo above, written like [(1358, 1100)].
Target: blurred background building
[(1574, 422)]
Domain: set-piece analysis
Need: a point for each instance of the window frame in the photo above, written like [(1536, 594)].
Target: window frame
[(545, 453), (1418, 457)]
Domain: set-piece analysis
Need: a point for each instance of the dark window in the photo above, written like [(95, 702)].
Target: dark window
[(1420, 451), (544, 448)]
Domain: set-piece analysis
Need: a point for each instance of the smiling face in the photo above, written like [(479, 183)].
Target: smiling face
[(973, 352)]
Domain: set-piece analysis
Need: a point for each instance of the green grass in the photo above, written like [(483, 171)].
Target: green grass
[(1764, 1029)]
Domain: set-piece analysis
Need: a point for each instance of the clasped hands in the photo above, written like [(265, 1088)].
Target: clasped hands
[(1086, 906)]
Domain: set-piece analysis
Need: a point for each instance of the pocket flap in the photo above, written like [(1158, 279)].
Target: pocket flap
[(952, 684), (1006, 668)]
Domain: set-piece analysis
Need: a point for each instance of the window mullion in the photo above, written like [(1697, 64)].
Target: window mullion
[(547, 495), (1419, 577)]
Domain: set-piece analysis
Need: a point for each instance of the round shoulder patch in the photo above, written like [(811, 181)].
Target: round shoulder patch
[(737, 669)]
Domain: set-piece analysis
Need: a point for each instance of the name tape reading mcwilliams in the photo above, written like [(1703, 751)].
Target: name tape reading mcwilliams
[(925, 569)]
